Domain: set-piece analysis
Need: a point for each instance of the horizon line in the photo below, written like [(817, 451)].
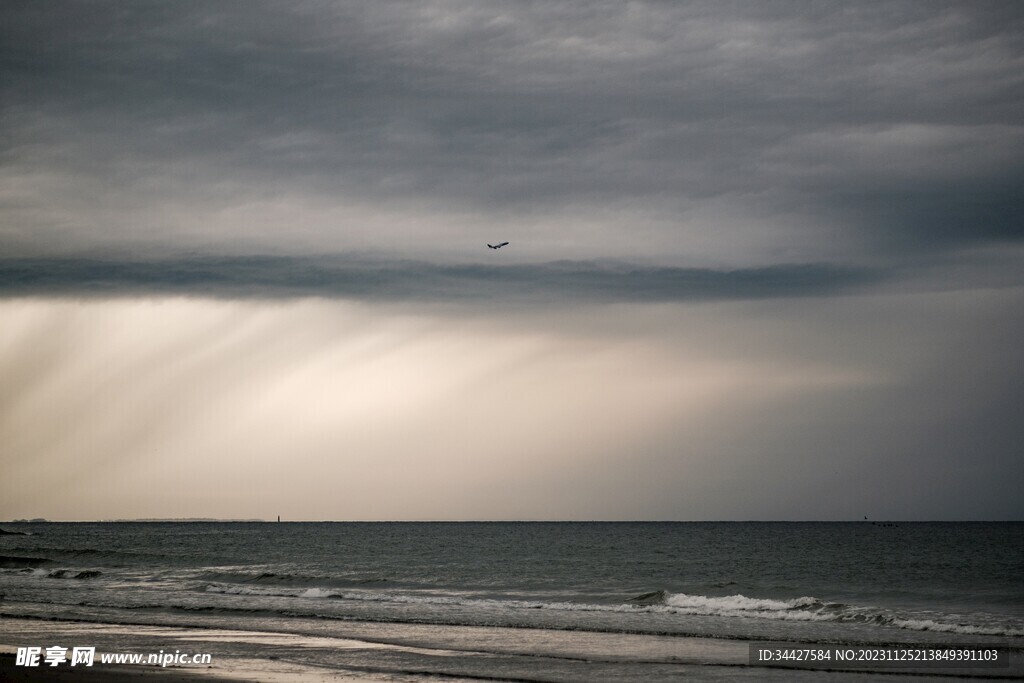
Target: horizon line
[(202, 520)]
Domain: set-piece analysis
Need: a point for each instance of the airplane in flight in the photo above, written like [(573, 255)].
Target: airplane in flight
[(497, 246)]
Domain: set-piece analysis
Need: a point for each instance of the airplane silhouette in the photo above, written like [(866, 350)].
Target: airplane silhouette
[(497, 246)]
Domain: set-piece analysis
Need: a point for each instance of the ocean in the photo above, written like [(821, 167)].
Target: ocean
[(529, 601)]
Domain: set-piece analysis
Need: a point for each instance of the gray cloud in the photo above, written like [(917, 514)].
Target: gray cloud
[(273, 277), (883, 129)]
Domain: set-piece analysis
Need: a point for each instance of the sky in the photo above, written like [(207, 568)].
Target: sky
[(765, 260)]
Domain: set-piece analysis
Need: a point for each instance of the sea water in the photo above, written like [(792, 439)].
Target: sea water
[(532, 601)]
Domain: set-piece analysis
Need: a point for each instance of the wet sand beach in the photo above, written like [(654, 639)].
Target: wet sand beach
[(99, 673), (272, 657), (234, 672)]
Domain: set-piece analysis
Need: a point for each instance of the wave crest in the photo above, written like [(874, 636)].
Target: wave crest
[(803, 609), (736, 603)]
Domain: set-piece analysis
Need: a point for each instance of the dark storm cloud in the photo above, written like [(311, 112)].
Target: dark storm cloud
[(897, 124), (274, 277)]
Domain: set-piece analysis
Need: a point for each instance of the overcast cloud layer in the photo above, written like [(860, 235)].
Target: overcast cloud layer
[(701, 134), (766, 259)]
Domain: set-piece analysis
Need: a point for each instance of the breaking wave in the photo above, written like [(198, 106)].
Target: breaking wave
[(38, 572), (800, 609), (289, 580)]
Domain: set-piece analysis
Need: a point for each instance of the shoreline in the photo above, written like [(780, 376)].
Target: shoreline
[(101, 673), (357, 655), (251, 667), (241, 671)]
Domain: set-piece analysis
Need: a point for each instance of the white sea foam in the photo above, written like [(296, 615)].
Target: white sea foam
[(812, 609), (966, 629), (679, 603), (737, 603), (254, 590)]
